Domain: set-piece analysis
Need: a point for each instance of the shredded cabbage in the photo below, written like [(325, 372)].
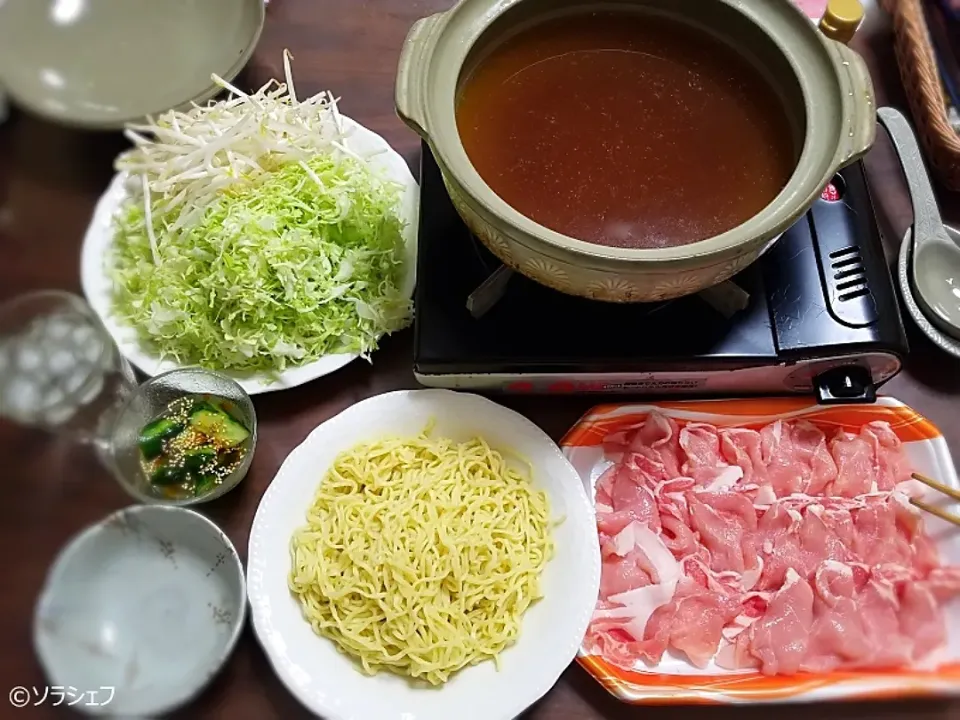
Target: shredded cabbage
[(254, 239)]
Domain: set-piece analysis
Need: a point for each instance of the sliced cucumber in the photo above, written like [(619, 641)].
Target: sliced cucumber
[(218, 426), (155, 434), (199, 458), (168, 475), (204, 485), (199, 405)]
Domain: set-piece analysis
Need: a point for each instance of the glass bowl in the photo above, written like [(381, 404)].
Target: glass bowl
[(148, 402)]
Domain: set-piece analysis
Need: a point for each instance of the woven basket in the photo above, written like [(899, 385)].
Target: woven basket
[(921, 80)]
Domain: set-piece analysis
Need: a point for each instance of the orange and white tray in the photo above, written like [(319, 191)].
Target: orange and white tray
[(674, 681)]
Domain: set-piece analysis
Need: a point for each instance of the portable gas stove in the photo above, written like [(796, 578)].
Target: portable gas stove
[(820, 316)]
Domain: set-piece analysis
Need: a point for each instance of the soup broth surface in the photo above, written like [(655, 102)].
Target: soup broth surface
[(625, 130)]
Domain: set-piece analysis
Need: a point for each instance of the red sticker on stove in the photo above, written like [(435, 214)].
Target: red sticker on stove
[(830, 193), (520, 386)]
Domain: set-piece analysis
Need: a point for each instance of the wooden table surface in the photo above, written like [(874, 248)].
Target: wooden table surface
[(49, 180)]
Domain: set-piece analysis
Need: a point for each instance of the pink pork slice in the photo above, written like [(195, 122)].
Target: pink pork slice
[(781, 549)]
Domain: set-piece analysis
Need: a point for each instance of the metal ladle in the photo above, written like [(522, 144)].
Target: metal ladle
[(935, 270)]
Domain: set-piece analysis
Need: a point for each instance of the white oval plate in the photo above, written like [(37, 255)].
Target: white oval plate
[(98, 244), (326, 681)]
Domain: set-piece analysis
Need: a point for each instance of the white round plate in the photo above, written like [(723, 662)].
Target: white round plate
[(326, 681), (97, 286)]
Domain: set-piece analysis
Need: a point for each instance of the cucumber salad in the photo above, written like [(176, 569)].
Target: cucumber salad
[(193, 446)]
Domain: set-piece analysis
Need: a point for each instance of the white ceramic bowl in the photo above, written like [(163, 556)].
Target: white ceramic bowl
[(100, 63), (98, 243), (143, 609), (326, 681)]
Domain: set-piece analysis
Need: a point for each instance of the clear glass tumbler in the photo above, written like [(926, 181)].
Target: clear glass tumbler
[(59, 368)]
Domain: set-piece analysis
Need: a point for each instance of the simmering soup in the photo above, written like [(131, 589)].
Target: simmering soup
[(625, 130)]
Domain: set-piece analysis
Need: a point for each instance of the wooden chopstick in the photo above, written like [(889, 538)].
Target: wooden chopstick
[(939, 486), (933, 509)]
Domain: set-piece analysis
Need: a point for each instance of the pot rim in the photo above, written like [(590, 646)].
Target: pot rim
[(813, 170)]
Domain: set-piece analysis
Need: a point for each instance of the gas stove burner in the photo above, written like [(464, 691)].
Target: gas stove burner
[(727, 298), (816, 314)]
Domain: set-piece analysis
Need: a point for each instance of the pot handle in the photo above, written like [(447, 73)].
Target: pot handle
[(859, 107), (410, 91)]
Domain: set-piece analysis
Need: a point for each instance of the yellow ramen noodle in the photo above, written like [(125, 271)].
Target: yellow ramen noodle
[(421, 555)]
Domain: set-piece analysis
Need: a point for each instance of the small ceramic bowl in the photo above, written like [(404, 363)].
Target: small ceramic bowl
[(99, 64), (149, 401), (949, 345), (140, 611)]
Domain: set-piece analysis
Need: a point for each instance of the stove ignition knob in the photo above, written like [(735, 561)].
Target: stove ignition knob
[(845, 384)]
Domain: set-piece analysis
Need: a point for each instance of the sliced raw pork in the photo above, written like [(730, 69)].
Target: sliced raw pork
[(780, 548)]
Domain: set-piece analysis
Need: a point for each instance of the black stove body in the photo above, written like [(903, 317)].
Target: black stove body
[(822, 317)]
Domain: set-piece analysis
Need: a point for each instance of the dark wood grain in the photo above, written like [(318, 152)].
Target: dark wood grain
[(50, 179)]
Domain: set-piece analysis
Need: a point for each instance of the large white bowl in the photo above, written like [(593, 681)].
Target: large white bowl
[(98, 244), (141, 609), (326, 681), (100, 63)]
